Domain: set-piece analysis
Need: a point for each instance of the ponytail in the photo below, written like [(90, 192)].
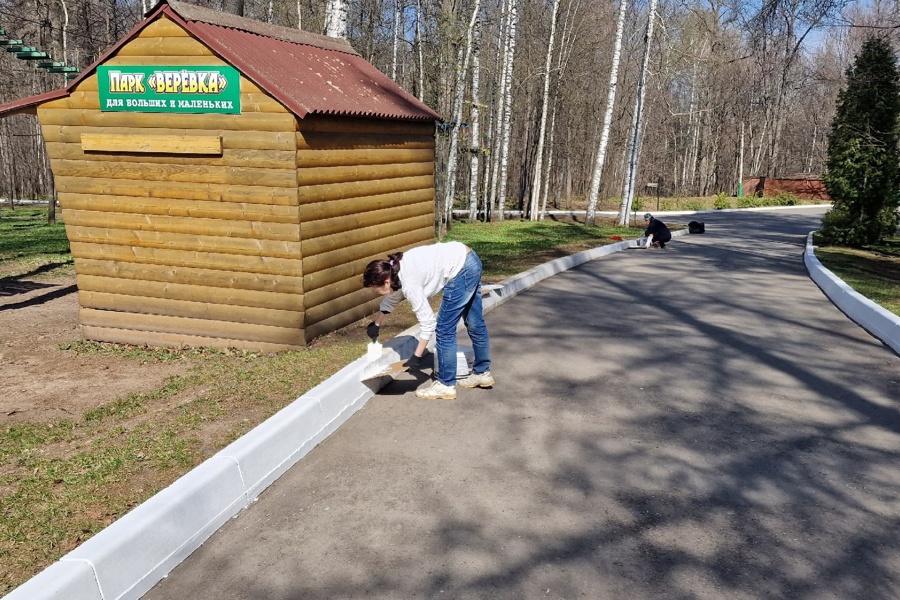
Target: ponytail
[(379, 271)]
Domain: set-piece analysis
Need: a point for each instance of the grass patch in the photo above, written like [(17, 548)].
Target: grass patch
[(30, 247), (510, 247), (873, 271)]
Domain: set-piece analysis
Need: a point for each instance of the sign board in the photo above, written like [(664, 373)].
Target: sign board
[(181, 89)]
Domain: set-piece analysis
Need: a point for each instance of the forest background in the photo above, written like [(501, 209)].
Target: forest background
[(731, 88)]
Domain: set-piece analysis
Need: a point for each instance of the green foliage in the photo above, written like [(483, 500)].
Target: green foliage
[(721, 202), (693, 205), (863, 177), (637, 204), (784, 199)]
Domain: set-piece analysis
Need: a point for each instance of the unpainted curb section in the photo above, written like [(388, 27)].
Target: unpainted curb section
[(126, 559), (521, 282), (877, 320)]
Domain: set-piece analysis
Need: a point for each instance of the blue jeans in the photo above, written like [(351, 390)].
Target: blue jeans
[(462, 300)]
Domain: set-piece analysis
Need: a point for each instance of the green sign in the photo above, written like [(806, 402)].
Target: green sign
[(170, 89)]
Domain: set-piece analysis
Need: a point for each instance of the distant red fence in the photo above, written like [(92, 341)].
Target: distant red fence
[(811, 188)]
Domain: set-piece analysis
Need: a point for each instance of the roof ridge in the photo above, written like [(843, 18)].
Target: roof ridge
[(193, 12)]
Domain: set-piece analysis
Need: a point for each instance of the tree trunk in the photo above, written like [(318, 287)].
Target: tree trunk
[(539, 157), (499, 108), (419, 51), (546, 190), (398, 12), (507, 109), (594, 192), (462, 71), (336, 19), (475, 140), (637, 123), (64, 31)]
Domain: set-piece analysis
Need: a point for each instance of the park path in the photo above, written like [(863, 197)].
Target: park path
[(699, 422)]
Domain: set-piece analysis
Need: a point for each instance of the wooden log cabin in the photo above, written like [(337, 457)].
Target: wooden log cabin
[(244, 221)]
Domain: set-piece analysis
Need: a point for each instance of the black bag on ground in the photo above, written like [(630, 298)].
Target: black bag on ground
[(695, 227)]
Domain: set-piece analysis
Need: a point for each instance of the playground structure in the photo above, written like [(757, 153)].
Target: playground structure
[(224, 181), (32, 53)]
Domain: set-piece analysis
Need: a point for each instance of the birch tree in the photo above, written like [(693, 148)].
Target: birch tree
[(461, 79), (506, 100), (398, 12), (336, 19), (566, 47), (420, 54), (594, 192), (64, 31), (637, 123), (474, 128), (546, 191), (538, 166), (497, 122)]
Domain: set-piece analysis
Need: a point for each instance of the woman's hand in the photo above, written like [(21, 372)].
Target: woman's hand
[(415, 362)]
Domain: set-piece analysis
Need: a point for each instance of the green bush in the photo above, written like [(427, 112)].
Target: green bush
[(749, 202), (637, 204), (721, 202), (783, 199), (863, 166)]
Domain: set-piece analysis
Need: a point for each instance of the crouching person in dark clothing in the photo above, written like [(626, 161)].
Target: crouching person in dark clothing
[(657, 233)]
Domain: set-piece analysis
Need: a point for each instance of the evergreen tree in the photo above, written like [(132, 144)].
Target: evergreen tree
[(863, 177)]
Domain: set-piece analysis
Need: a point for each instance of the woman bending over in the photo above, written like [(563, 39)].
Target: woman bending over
[(419, 274)]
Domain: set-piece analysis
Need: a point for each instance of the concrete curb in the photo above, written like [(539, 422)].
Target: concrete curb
[(877, 320), (126, 559), (521, 282)]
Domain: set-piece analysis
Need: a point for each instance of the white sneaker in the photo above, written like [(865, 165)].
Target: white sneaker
[(475, 380), (437, 391)]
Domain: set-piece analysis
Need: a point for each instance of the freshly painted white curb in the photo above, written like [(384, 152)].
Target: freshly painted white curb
[(63, 579), (875, 319), (129, 557)]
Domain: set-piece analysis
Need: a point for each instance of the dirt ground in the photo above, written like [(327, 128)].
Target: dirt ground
[(40, 381)]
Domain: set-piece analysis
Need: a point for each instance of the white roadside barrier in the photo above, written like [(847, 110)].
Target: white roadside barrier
[(877, 320)]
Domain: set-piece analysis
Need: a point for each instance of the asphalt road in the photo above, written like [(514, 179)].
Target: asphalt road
[(698, 422)]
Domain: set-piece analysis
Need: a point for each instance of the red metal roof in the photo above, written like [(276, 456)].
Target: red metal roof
[(307, 73)]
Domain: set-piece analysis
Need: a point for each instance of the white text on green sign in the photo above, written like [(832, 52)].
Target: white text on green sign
[(170, 89)]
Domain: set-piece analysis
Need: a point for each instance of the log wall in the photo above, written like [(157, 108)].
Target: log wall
[(173, 248), (366, 188)]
